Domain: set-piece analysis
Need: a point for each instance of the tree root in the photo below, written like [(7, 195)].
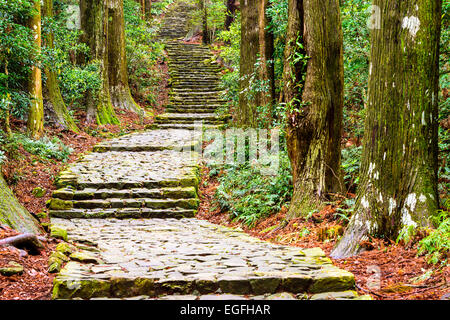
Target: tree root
[(27, 241)]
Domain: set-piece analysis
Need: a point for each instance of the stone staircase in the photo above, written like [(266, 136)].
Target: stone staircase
[(195, 95), (141, 175), (127, 211)]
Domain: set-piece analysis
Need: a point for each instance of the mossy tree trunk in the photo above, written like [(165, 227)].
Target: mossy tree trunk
[(255, 70), (94, 24), (35, 124), (315, 120), (13, 214), (142, 7), (266, 68), (148, 10), (204, 12), (55, 102), (117, 59), (230, 14), (398, 181), (246, 113)]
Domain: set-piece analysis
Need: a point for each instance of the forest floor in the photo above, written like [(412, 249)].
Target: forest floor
[(397, 264)]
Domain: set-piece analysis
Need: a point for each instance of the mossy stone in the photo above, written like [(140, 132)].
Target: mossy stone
[(11, 269), (39, 192), (64, 248), (58, 204), (58, 233)]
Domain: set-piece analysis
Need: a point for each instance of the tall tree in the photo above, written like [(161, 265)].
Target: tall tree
[(117, 59), (55, 102), (13, 214), (36, 114), (398, 180), (315, 104), (230, 14), (94, 24), (148, 9), (266, 68), (204, 13)]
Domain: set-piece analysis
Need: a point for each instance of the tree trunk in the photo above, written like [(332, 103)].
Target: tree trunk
[(398, 181), (148, 10), (143, 5), (35, 124), (230, 15), (314, 123), (94, 24), (13, 214), (246, 114), (266, 70), (117, 59), (56, 104), (204, 10)]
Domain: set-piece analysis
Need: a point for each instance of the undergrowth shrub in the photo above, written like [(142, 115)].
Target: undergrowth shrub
[(249, 195), (45, 148), (436, 247)]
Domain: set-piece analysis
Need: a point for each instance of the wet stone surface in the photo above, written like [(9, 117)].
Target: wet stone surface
[(114, 167), (187, 256)]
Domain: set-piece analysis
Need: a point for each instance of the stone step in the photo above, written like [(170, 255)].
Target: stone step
[(155, 257), (187, 126), (123, 213), (117, 203), (189, 110), (192, 116), (136, 193), (342, 295)]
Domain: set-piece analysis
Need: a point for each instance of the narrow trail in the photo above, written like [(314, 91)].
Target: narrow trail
[(129, 210)]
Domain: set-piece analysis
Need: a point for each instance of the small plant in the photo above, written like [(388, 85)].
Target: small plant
[(249, 196), (351, 160), (436, 246), (45, 148)]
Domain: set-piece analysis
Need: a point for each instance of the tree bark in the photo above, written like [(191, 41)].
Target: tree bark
[(230, 15), (35, 123), (398, 185), (94, 24), (148, 10), (246, 113), (314, 123), (266, 69), (55, 102), (13, 214), (117, 59), (205, 31)]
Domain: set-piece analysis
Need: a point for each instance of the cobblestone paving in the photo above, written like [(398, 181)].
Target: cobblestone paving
[(155, 257), (127, 210)]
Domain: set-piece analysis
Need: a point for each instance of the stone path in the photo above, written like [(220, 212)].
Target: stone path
[(128, 209)]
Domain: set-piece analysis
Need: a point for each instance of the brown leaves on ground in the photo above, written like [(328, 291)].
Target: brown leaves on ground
[(386, 271), (35, 283)]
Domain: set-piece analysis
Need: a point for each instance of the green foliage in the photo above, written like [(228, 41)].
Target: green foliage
[(436, 246), (249, 196), (17, 56), (278, 15), (159, 7), (143, 54), (45, 148), (230, 55), (351, 160), (355, 14), (74, 79)]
